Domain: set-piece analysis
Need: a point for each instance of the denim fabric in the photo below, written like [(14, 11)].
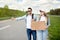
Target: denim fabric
[(31, 32), (42, 34)]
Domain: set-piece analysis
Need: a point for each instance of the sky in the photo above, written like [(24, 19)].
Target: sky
[(36, 5)]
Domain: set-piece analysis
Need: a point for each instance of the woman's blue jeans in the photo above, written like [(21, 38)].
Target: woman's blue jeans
[(42, 34)]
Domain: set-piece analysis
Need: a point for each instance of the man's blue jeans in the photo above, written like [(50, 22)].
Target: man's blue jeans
[(42, 34), (31, 32)]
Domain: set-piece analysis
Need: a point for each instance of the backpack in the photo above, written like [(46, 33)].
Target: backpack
[(32, 16), (48, 21)]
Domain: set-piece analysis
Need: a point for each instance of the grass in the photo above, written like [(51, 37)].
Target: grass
[(54, 29), (4, 18), (7, 17)]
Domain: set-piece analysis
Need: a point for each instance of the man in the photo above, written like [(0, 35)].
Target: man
[(28, 18)]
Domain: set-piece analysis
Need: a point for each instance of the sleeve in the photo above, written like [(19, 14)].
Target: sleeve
[(35, 18), (21, 18)]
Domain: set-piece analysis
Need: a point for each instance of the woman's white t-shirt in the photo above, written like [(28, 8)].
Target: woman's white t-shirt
[(43, 18)]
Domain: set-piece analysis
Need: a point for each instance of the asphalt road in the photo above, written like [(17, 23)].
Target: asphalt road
[(13, 30)]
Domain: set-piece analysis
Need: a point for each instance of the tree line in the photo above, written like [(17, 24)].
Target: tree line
[(55, 11), (6, 12)]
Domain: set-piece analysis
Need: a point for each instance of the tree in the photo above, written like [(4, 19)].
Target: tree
[(6, 7)]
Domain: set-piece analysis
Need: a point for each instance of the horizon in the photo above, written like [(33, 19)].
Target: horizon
[(36, 5)]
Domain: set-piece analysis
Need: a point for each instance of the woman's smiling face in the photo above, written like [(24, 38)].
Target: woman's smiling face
[(42, 13)]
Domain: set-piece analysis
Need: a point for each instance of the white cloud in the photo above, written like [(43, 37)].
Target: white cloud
[(56, 1)]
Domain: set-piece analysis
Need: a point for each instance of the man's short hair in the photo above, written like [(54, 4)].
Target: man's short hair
[(30, 8)]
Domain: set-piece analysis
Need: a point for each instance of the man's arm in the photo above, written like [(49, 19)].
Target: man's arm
[(19, 18)]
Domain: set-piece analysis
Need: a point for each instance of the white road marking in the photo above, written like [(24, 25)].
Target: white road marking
[(5, 27)]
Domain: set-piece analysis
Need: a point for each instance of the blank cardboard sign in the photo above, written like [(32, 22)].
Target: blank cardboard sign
[(40, 25)]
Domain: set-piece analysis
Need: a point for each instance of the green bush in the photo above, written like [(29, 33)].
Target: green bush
[(6, 12)]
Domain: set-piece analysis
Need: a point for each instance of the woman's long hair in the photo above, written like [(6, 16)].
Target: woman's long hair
[(45, 14)]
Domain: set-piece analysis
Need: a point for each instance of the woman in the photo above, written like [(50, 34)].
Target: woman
[(42, 34)]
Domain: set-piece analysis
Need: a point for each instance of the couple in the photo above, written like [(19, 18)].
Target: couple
[(37, 34)]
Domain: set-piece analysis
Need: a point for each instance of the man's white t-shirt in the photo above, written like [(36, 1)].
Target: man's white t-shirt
[(28, 20)]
